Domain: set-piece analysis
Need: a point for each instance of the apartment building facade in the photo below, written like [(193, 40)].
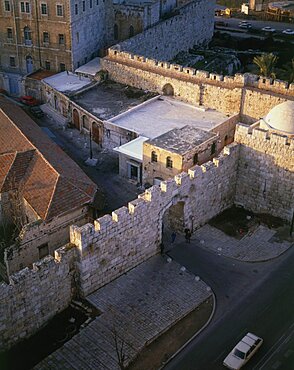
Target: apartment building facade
[(53, 35)]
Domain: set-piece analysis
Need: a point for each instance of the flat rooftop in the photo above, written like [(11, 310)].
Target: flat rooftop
[(182, 140), (162, 114), (67, 82), (133, 148), (110, 99)]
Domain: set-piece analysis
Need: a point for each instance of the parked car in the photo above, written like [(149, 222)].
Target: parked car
[(245, 24), (243, 351), (37, 111), (268, 29), (29, 100), (288, 31)]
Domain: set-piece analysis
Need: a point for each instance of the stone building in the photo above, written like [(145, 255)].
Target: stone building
[(42, 191), (52, 35), (132, 17), (258, 5), (176, 151)]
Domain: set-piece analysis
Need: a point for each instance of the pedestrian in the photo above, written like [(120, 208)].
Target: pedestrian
[(173, 236), (187, 235)]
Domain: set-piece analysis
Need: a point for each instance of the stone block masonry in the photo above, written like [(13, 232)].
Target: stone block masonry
[(33, 296), (117, 243), (192, 26), (265, 180), (246, 94)]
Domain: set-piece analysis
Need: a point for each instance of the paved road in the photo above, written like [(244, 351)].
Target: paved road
[(250, 297), (234, 22)]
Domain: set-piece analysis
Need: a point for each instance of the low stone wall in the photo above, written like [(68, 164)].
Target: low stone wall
[(265, 180), (35, 295), (117, 243)]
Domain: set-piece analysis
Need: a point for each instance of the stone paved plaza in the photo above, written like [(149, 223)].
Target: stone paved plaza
[(256, 246), (140, 305)]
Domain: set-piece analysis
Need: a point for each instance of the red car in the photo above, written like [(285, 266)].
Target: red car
[(29, 100)]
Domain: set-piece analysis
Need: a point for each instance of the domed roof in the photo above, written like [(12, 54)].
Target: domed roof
[(281, 117)]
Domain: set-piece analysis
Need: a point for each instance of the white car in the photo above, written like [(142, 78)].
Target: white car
[(245, 24), (288, 31), (243, 351), (268, 29)]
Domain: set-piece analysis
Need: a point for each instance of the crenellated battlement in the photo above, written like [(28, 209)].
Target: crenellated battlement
[(198, 76), (152, 200), (249, 133)]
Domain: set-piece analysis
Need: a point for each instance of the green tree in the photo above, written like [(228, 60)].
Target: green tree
[(287, 72), (266, 64)]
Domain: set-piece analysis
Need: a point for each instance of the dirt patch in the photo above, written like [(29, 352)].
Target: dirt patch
[(237, 222), (159, 351)]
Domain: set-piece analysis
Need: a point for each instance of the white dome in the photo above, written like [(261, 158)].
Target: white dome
[(281, 118)]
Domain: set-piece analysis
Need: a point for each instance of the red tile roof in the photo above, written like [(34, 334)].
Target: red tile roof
[(52, 183)]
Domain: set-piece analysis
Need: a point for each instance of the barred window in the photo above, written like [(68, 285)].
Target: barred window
[(59, 10), (169, 162), (154, 157)]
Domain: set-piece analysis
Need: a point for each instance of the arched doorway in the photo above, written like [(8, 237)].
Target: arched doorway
[(131, 31), (86, 122), (29, 64), (173, 218), (168, 90), (115, 32), (76, 119)]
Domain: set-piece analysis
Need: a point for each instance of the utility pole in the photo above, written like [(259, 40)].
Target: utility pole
[(91, 149)]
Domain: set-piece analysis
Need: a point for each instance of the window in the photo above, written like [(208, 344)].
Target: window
[(9, 33), (62, 67), (46, 37), (169, 162), (154, 157), (61, 39), (78, 37), (7, 6), (12, 62), (44, 9), (213, 148), (47, 65), (59, 10), (76, 9), (97, 2), (43, 250), (84, 6), (27, 36), (195, 158), (91, 3), (25, 7)]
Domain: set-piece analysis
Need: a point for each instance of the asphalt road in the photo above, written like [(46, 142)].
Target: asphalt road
[(257, 297), (234, 22)]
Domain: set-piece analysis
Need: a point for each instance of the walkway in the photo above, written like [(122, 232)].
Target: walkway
[(259, 245), (139, 306)]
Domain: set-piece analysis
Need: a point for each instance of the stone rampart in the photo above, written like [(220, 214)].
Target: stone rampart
[(192, 26), (265, 180), (33, 296), (117, 243), (246, 94)]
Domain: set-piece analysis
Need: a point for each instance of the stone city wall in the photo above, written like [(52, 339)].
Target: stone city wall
[(265, 180), (33, 296), (117, 243), (246, 94), (192, 26)]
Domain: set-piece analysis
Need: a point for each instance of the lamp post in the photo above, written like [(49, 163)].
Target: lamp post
[(91, 149)]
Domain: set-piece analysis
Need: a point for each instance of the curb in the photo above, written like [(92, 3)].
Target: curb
[(194, 336)]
